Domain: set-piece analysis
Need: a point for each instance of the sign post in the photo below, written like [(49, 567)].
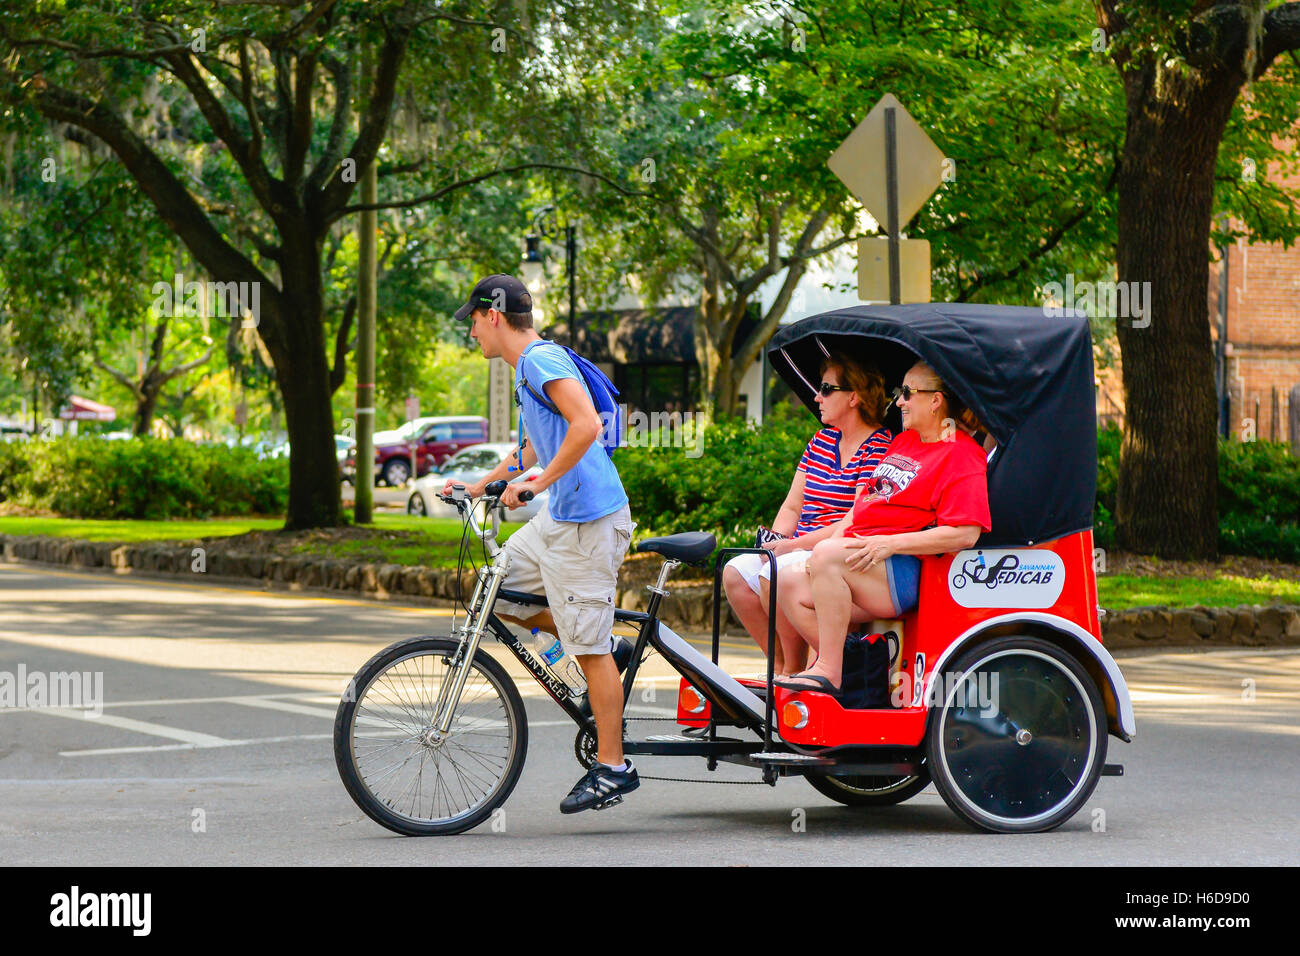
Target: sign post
[(891, 203), (363, 481), (893, 194), (499, 382)]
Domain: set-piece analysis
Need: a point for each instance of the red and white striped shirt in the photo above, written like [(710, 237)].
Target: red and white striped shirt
[(830, 487)]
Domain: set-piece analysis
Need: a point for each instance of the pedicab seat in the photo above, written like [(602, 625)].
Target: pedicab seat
[(692, 547)]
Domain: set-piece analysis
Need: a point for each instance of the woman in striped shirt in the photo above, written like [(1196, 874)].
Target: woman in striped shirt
[(836, 464)]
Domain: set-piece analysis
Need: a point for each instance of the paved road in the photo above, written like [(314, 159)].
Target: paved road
[(214, 747)]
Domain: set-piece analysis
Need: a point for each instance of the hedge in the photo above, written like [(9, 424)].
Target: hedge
[(737, 483), (1259, 497), (145, 478), (744, 473)]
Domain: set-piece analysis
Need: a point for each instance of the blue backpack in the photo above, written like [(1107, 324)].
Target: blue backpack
[(603, 395)]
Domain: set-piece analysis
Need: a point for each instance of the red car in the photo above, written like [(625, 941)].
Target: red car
[(429, 441)]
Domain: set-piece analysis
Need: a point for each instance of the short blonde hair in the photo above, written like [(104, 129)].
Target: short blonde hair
[(954, 406)]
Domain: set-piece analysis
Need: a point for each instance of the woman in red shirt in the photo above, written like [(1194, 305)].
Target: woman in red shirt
[(928, 496)]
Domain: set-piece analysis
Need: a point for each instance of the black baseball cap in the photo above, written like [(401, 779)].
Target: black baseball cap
[(501, 292)]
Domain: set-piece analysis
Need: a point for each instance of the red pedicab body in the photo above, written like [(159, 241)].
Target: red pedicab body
[(1020, 607)]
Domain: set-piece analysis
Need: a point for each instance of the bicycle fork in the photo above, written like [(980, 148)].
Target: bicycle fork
[(471, 633)]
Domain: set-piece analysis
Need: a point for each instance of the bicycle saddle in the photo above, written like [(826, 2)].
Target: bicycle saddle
[(689, 546)]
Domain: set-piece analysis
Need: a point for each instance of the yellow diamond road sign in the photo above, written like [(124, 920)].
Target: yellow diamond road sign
[(860, 163)]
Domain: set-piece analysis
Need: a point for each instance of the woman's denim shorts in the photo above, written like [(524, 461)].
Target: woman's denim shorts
[(904, 574)]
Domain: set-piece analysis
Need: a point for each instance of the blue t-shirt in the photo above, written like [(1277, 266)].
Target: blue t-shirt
[(590, 489)]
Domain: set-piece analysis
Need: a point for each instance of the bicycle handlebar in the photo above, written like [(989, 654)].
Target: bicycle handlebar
[(497, 488), (492, 491)]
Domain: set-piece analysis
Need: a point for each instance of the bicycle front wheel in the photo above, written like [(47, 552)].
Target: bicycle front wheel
[(399, 770)]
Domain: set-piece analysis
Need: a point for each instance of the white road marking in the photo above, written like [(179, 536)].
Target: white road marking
[(291, 703), (283, 705), (186, 782), (157, 748), (111, 751), (190, 737), (310, 696)]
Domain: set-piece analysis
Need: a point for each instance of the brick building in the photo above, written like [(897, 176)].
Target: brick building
[(1254, 299), (1255, 310)]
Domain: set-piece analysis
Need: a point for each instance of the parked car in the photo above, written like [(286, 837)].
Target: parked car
[(468, 467), (435, 440), (406, 431), (342, 443)]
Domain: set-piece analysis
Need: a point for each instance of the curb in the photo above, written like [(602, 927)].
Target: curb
[(689, 606)]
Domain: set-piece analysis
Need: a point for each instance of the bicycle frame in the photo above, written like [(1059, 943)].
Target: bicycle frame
[(730, 696)]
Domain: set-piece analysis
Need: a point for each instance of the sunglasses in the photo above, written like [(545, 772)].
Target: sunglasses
[(826, 388), (905, 392)]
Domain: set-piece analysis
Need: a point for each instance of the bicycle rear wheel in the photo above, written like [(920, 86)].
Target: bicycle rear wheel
[(398, 770)]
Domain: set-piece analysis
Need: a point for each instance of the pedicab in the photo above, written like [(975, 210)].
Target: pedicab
[(1002, 694)]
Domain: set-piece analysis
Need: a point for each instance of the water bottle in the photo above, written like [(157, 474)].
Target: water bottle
[(561, 665)]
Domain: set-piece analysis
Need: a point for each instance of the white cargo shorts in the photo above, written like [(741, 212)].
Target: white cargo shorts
[(575, 564), (754, 567)]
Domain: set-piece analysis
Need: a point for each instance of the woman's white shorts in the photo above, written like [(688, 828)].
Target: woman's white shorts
[(752, 567)]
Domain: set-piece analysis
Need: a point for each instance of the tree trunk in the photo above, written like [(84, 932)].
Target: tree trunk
[(707, 322), (725, 396), (144, 409), (303, 379), (1168, 482), (303, 375)]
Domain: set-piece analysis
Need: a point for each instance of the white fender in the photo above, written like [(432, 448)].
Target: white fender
[(1082, 639)]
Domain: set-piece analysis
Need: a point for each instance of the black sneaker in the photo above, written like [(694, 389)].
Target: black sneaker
[(599, 788)]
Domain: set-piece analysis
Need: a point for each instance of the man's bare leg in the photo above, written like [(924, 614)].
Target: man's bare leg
[(605, 695), (604, 691)]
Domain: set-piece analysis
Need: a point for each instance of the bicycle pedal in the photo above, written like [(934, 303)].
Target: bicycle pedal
[(611, 802)]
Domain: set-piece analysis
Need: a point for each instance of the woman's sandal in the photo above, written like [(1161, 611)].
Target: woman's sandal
[(821, 685)]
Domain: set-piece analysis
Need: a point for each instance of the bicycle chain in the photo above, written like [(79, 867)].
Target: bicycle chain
[(734, 783)]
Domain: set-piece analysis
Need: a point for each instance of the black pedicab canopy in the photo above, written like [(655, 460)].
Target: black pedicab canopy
[(1026, 375)]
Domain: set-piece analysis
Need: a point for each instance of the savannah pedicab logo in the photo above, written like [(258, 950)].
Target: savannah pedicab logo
[(1015, 579)]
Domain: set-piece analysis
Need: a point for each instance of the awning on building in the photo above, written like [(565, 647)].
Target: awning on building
[(81, 409)]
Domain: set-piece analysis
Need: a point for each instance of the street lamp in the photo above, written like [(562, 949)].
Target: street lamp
[(533, 268)]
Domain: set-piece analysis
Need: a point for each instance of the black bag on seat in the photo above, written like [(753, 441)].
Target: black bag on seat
[(865, 681)]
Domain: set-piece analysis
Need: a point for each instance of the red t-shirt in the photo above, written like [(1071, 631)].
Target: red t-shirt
[(921, 484)]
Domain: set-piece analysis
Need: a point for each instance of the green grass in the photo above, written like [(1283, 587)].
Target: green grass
[(407, 540), (134, 531), (398, 539), (1119, 591)]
